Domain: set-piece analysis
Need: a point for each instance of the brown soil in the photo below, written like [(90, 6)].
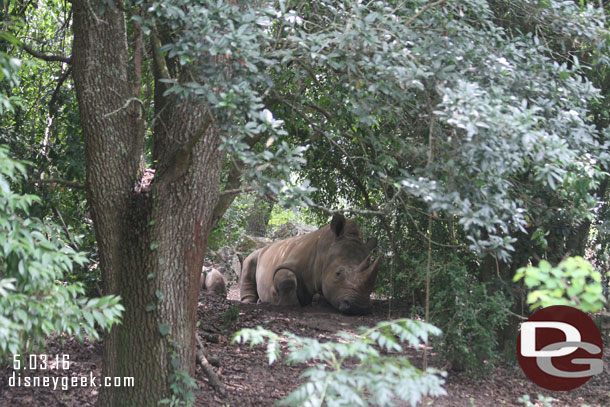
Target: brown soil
[(251, 381)]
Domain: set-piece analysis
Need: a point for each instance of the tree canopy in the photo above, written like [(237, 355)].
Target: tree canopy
[(475, 110), (487, 111)]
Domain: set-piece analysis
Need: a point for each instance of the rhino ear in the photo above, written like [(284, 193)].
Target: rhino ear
[(371, 244), (337, 224)]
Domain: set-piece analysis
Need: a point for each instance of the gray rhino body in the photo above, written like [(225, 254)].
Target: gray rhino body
[(332, 261), (213, 281)]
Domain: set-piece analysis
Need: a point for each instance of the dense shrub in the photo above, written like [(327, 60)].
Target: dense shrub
[(470, 314)]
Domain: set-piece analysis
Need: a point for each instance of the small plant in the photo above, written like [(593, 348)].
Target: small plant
[(230, 316), (379, 378), (181, 384), (573, 282), (541, 402)]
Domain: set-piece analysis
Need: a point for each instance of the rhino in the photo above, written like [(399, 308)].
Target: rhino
[(214, 282), (332, 261)]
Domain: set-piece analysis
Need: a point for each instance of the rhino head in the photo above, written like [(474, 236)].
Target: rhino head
[(349, 277)]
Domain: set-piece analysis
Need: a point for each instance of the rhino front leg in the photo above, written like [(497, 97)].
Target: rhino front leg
[(285, 283), (247, 284)]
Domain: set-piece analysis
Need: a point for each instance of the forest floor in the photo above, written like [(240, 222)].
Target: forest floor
[(252, 382)]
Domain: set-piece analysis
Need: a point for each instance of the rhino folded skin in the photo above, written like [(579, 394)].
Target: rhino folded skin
[(333, 262)]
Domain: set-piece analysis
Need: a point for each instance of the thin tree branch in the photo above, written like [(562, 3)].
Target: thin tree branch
[(428, 266), (239, 190), (46, 57), (320, 110), (208, 370), (60, 82), (65, 228), (517, 315), (349, 210), (134, 99), (72, 184), (423, 10)]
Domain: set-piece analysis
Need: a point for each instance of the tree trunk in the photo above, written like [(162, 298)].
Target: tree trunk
[(151, 238), (259, 215)]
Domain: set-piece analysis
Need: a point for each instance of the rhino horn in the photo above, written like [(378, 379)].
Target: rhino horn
[(370, 275), (364, 264)]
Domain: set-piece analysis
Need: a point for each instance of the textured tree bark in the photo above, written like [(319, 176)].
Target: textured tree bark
[(225, 201), (259, 215), (151, 240)]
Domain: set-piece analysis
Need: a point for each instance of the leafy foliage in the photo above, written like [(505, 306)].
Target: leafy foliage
[(181, 384), (8, 73), (429, 101), (435, 109), (469, 312), (34, 301), (241, 36), (44, 128), (380, 378), (572, 282)]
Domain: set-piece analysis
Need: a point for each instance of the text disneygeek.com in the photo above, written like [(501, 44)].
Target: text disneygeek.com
[(24, 367), (66, 382)]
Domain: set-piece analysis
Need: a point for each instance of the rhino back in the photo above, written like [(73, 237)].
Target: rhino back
[(215, 282), (298, 254)]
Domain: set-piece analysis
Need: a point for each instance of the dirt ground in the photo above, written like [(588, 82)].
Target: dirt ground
[(251, 382)]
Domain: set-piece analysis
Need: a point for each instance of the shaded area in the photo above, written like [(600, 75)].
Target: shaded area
[(251, 382)]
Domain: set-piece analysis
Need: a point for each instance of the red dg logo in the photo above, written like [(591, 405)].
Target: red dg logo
[(560, 348)]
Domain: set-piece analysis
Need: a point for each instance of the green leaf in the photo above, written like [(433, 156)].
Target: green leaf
[(164, 329), (175, 362)]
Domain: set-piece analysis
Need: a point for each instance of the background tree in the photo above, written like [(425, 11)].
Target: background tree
[(151, 234), (259, 216)]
